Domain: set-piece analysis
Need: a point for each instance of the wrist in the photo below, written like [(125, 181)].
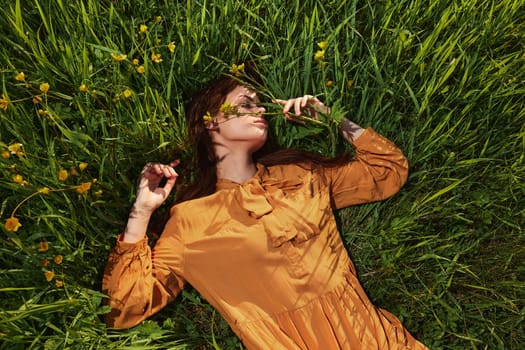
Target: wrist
[(138, 212), (350, 130)]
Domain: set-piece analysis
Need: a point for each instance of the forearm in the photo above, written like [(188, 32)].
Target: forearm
[(350, 130), (137, 225), (377, 172)]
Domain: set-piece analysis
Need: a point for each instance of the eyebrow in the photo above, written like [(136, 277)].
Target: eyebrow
[(249, 98)]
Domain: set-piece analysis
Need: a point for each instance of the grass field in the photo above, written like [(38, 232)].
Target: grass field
[(91, 90)]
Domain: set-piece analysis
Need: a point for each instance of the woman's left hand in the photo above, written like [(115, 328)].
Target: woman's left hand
[(307, 106)]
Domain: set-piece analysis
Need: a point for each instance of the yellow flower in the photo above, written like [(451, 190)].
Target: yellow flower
[(135, 61), (156, 57), (237, 69), (18, 179), (63, 175), (84, 187), (171, 46), (45, 262), (83, 88), (82, 166), (6, 154), (143, 28), (44, 87), (20, 76), (59, 284), (329, 83), (37, 99), (127, 93), (207, 118), (141, 69), (322, 45), (350, 83), (49, 275), (73, 172), (319, 55), (58, 259), (44, 190), (119, 57), (15, 148), (12, 224), (42, 112), (4, 102), (225, 107), (43, 247), (228, 109), (158, 19)]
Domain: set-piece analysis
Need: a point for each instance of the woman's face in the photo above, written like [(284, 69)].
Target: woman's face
[(240, 121)]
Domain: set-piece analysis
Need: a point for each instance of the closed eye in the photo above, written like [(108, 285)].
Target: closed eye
[(248, 105)]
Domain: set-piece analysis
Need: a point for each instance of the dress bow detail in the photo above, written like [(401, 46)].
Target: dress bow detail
[(281, 206)]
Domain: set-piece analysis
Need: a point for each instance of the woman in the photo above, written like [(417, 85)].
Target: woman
[(256, 235)]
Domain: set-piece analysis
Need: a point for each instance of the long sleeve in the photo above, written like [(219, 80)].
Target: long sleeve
[(140, 282), (377, 172)]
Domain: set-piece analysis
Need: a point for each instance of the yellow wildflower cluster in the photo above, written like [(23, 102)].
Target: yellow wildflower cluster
[(12, 224), (50, 274), (43, 247), (19, 179), (20, 76), (319, 55), (207, 118), (127, 93), (228, 109), (44, 87), (156, 57), (84, 187), (171, 47), (63, 175), (119, 57), (15, 149), (4, 102), (237, 70)]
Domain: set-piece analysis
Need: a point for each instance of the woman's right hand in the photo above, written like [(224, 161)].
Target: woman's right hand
[(150, 195)]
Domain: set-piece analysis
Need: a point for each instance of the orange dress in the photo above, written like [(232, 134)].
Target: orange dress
[(268, 256)]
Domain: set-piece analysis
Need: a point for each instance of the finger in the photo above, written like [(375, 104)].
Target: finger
[(146, 168), (170, 184), (297, 106), (279, 101), (305, 100), (287, 107)]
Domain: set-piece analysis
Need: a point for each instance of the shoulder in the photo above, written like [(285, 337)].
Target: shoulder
[(198, 204), (304, 175), (284, 171)]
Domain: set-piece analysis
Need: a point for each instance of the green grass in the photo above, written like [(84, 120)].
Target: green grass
[(444, 79)]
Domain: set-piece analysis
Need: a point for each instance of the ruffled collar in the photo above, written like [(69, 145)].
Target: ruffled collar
[(264, 197)]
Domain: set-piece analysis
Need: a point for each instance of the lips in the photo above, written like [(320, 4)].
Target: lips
[(260, 122)]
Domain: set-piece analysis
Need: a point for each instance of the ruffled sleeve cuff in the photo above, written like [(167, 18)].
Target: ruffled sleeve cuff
[(122, 248)]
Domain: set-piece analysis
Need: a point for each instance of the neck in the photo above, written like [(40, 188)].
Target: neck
[(236, 166)]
